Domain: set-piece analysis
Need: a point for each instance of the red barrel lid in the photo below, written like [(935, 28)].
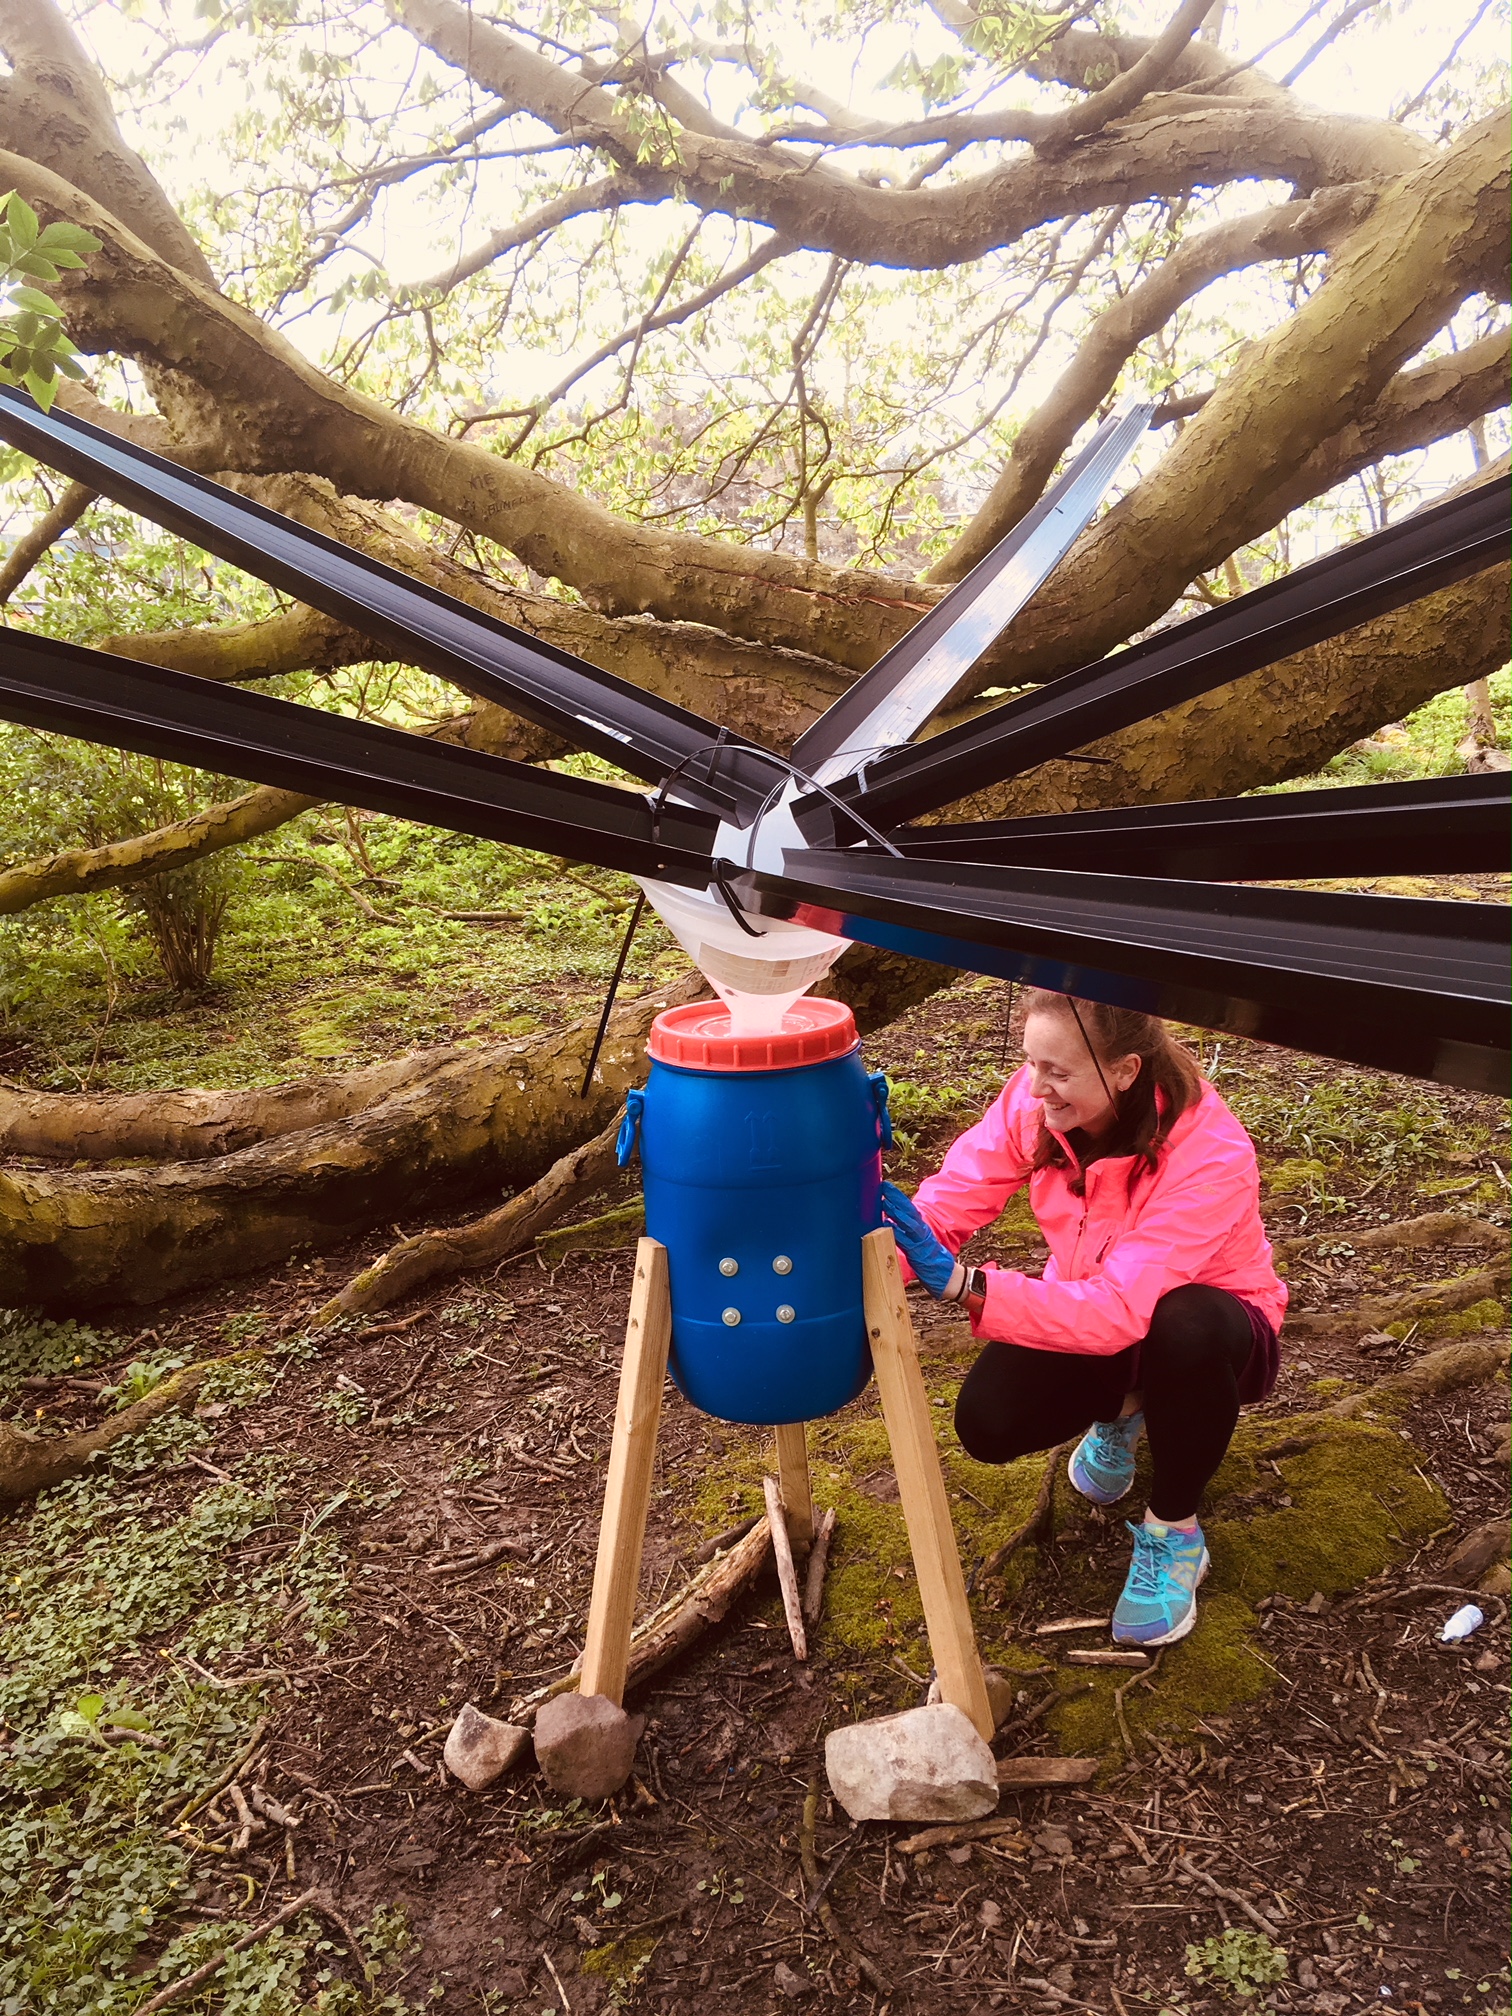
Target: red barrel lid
[(697, 1036)]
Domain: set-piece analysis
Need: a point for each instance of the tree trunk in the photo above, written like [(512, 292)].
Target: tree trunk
[(191, 1126)]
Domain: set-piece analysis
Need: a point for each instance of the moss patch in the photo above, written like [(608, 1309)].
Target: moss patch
[(619, 1966), (1488, 1314), (1300, 1505), (1345, 1505)]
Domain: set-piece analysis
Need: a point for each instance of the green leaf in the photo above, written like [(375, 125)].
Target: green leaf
[(35, 266), (35, 299), (43, 388), (70, 240), (127, 1718), (89, 1706), (22, 219)]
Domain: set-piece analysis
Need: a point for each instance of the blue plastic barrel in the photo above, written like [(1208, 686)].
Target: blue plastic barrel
[(763, 1169)]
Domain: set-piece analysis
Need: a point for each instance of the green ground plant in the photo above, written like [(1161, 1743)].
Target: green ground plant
[(1240, 1962), (120, 1598)]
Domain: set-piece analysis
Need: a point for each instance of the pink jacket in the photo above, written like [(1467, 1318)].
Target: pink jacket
[(1112, 1255)]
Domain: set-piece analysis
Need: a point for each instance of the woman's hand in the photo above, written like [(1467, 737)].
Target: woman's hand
[(931, 1260)]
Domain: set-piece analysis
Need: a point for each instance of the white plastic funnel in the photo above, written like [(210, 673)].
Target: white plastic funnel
[(758, 978)]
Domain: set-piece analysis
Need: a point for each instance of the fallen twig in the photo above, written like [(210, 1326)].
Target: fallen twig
[(1138, 1680), (1106, 1655), (787, 1574), (809, 1862), (718, 1542), (818, 1561), (1034, 1774), (1235, 1897), (1035, 1527), (238, 1764), (674, 1625), (177, 1990), (956, 1836)]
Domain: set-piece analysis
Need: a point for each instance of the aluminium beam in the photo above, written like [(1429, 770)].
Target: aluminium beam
[(633, 729), (1369, 578), (908, 683), (1396, 983), (68, 689), (1439, 826)]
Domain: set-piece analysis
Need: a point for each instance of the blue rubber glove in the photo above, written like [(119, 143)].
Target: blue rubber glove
[(931, 1260)]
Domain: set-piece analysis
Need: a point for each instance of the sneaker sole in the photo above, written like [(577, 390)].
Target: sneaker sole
[(1170, 1638), (1090, 1497)]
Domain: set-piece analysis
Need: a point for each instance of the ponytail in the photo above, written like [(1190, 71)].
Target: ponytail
[(1168, 1083)]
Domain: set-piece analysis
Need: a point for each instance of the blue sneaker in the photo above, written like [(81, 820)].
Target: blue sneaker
[(1159, 1600), (1102, 1463)]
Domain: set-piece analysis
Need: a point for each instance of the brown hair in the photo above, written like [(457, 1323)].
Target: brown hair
[(1168, 1082)]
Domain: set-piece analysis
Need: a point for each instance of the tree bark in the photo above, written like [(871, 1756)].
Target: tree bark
[(193, 1126), (461, 1249), (489, 1118)]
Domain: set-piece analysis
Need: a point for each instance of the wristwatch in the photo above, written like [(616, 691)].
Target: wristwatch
[(973, 1287)]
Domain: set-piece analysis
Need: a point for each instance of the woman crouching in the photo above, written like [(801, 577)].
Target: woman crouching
[(1158, 1308)]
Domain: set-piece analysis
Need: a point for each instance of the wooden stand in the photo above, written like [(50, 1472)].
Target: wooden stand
[(627, 1490), (916, 1462)]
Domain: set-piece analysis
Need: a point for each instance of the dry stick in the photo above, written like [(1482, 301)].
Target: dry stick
[(176, 1990), (818, 1561), (814, 1886), (718, 1542), (234, 1769), (673, 1627), (1234, 1897), (953, 1837), (1139, 1680), (787, 1574)]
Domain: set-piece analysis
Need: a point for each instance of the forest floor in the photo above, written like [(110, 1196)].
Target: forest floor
[(290, 1593)]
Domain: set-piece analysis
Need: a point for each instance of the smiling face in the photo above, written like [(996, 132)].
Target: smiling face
[(1065, 1075)]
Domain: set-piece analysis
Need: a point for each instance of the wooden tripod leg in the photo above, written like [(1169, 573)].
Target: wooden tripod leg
[(627, 1491), (793, 1480), (921, 1484)]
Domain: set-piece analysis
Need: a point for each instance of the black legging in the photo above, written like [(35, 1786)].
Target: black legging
[(1015, 1399)]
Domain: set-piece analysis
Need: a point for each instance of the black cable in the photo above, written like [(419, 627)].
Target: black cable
[(1096, 1060), (619, 968)]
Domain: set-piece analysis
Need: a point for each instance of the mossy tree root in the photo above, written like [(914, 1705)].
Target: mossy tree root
[(30, 1463), (491, 1117), (1446, 1370), (481, 1242), (1413, 1305)]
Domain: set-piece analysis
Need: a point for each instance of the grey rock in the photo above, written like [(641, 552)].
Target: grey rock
[(790, 1983), (1001, 1694), (479, 1749), (926, 1764), (585, 1744)]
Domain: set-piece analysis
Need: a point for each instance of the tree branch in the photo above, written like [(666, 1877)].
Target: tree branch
[(1392, 284), (78, 871), (1281, 233), (608, 193), (54, 107), (48, 530), (240, 396), (1274, 136), (1142, 77)]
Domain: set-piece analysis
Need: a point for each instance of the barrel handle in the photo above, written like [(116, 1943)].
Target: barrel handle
[(879, 1088), (627, 1142)]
